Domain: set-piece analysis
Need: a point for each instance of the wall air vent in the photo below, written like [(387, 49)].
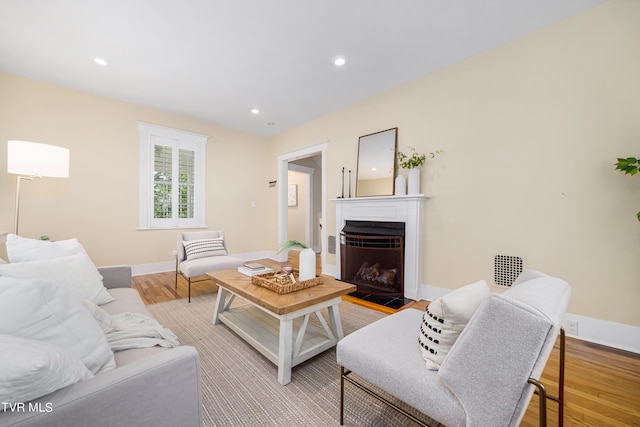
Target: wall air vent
[(506, 269), (331, 246)]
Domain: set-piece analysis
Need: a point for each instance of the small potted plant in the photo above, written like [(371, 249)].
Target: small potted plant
[(413, 163), (629, 166)]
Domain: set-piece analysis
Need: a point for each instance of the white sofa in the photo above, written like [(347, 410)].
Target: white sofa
[(152, 386)]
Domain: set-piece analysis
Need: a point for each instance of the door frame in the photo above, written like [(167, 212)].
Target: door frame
[(283, 184)]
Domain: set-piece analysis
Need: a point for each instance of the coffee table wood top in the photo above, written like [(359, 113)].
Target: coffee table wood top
[(240, 284)]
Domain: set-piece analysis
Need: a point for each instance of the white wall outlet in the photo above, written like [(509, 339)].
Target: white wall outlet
[(571, 327), (175, 253)]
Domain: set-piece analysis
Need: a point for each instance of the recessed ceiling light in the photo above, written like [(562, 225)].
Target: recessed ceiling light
[(255, 111), (339, 61), (101, 61), (271, 123)]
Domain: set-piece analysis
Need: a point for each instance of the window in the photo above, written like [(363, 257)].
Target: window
[(171, 177)]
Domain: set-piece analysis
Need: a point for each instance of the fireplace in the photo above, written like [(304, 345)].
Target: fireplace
[(372, 256), (407, 209)]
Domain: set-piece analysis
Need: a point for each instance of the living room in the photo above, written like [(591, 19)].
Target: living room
[(529, 132)]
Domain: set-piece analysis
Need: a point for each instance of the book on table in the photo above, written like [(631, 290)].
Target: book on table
[(254, 266), (252, 272)]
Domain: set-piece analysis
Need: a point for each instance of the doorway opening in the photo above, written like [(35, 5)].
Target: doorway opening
[(312, 157)]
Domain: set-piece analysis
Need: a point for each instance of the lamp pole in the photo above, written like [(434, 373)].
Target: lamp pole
[(30, 178)]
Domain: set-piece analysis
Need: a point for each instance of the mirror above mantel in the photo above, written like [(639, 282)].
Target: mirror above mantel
[(375, 175)]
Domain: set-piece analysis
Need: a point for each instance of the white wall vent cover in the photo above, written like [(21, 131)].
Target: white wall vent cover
[(506, 269)]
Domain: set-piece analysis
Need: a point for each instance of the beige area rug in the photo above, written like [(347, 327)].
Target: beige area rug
[(240, 386)]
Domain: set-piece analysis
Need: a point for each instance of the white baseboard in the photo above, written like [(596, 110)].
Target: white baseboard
[(611, 334), (156, 267)]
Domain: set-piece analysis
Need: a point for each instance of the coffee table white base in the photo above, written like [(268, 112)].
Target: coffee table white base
[(273, 335)]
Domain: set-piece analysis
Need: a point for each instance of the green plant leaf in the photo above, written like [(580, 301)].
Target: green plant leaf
[(291, 244), (638, 215)]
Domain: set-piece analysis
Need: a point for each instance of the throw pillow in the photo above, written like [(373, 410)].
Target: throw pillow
[(30, 369), (203, 248), (445, 318), (21, 249), (75, 273), (38, 310)]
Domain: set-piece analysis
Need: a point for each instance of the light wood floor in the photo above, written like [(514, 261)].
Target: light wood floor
[(602, 385)]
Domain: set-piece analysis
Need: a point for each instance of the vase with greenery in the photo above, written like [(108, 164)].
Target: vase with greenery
[(413, 161), (630, 166), (306, 259)]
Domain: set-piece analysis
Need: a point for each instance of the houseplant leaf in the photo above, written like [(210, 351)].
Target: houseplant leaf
[(291, 244)]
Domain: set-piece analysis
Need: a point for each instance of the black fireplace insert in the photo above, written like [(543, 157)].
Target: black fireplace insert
[(372, 256)]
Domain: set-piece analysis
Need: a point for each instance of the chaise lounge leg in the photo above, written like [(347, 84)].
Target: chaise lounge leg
[(176, 272), (542, 392), (341, 395), (344, 376), (561, 380), (189, 289)]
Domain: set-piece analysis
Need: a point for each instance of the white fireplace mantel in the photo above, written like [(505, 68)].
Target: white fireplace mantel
[(408, 209)]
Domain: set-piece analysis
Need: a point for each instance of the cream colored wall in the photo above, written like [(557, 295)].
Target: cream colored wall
[(298, 214), (98, 204), (315, 164), (530, 131)]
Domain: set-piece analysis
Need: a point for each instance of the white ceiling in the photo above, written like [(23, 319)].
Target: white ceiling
[(214, 60)]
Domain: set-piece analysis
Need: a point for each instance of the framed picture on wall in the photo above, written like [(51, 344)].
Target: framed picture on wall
[(293, 195)]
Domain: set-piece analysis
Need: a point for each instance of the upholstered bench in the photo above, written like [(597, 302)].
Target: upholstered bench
[(486, 378), (200, 252)]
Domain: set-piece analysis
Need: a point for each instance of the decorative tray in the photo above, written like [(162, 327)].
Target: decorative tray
[(283, 283)]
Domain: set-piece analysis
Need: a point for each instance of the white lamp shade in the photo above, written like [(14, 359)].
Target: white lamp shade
[(34, 159)]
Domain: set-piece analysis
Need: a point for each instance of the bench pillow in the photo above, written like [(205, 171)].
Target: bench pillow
[(203, 248), (445, 318)]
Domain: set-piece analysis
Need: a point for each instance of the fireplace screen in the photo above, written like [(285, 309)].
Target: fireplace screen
[(374, 263)]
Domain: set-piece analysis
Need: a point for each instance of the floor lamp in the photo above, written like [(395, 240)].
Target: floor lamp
[(31, 160)]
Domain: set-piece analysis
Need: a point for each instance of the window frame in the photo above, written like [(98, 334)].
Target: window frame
[(150, 136)]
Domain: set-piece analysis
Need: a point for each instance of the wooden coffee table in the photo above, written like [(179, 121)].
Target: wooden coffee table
[(278, 325)]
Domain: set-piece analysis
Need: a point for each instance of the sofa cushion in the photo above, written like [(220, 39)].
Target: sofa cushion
[(204, 248), (127, 300), (445, 318), (21, 249), (75, 273), (41, 311), (30, 369)]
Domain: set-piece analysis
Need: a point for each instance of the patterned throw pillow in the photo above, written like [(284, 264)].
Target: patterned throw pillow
[(203, 248), (445, 318)]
